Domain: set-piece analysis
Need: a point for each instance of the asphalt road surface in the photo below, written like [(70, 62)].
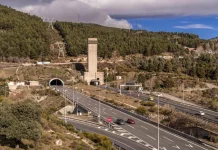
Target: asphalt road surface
[(143, 130), (210, 115), (123, 142)]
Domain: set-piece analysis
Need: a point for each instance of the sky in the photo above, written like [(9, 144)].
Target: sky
[(192, 16)]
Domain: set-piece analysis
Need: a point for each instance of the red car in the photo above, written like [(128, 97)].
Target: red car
[(130, 121)]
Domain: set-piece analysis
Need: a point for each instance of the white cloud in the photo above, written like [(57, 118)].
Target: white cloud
[(146, 8), (139, 26), (69, 11), (104, 11), (195, 26)]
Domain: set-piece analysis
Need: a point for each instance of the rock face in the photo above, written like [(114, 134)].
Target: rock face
[(59, 142)]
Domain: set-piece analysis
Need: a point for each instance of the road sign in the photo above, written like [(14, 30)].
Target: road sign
[(109, 119)]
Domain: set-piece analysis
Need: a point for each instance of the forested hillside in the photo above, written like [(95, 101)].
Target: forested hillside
[(21, 35), (124, 41)]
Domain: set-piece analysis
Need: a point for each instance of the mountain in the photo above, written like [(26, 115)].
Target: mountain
[(124, 41), (214, 39), (22, 35)]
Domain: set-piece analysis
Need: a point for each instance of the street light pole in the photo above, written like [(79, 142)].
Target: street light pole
[(158, 129), (183, 91), (77, 104), (99, 107), (64, 93)]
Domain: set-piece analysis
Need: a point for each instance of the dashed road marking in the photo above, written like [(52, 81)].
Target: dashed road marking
[(144, 128), (131, 126), (177, 147), (151, 137), (168, 139)]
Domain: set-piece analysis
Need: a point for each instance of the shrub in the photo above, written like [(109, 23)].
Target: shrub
[(147, 103), (153, 109), (142, 110), (136, 101), (213, 138), (165, 111)]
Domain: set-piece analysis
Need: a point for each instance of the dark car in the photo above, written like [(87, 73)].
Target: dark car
[(120, 121), (130, 121)]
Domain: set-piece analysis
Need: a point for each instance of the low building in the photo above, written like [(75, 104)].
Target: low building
[(33, 83), (118, 77)]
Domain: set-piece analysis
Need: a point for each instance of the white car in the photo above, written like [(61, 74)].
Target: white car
[(159, 94), (201, 113)]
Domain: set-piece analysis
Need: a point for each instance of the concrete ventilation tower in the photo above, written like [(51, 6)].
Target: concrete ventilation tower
[(93, 77)]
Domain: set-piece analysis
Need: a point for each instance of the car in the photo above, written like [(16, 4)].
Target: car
[(150, 98), (130, 121), (201, 113), (159, 94), (120, 121)]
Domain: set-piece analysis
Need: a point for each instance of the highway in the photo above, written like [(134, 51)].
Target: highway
[(210, 115), (143, 130), (118, 140)]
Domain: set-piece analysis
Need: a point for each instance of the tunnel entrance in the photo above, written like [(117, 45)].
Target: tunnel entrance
[(56, 82)]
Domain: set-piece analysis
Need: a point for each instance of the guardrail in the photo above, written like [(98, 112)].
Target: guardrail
[(156, 124), (111, 125)]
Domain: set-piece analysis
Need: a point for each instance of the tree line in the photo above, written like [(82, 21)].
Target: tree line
[(205, 66), (22, 35), (124, 41)]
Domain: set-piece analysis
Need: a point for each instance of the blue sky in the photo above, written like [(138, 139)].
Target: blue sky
[(205, 26)]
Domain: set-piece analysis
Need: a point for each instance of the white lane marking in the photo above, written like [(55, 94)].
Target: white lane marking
[(104, 112), (157, 127), (115, 118), (125, 134), (113, 113), (106, 129), (131, 126), (168, 139), (177, 147), (149, 124), (189, 145), (163, 148), (151, 137), (144, 128)]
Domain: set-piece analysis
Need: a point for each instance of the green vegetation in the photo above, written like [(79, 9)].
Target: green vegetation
[(141, 110), (123, 41), (21, 36), (102, 142), (205, 66), (147, 103), (20, 120)]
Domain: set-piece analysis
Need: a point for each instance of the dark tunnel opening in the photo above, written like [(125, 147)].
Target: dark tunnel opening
[(56, 82)]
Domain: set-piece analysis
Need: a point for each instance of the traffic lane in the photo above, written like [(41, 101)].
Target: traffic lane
[(108, 111), (181, 107), (149, 134), (149, 139), (123, 142), (171, 102), (193, 109), (176, 138)]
